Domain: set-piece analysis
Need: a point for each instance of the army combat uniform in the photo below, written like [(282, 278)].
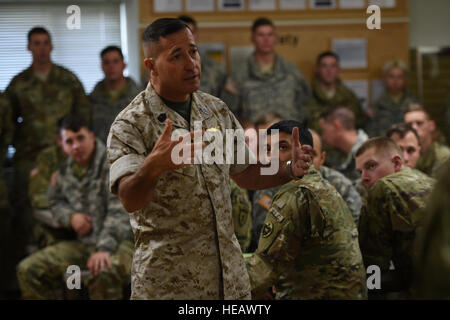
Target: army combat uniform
[(433, 243), (185, 243), (47, 230), (432, 161), (282, 91), (106, 105), (343, 97), (242, 215), (388, 111), (388, 224), (84, 190), (309, 245)]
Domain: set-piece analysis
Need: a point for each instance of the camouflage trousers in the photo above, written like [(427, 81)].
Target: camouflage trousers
[(47, 236), (40, 275)]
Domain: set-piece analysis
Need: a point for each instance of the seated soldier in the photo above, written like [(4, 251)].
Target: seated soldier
[(47, 230), (433, 154), (407, 139), (392, 213), (309, 243), (80, 200), (337, 127), (241, 209), (343, 185)]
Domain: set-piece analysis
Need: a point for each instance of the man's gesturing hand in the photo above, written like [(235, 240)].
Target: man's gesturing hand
[(161, 155), (301, 156)]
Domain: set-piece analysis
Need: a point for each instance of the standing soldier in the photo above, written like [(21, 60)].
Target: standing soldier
[(268, 83), (39, 97), (309, 243), (112, 94), (80, 201), (392, 214), (389, 108)]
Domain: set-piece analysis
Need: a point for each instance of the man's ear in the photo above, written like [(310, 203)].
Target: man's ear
[(323, 157), (432, 125), (150, 65), (337, 124), (398, 163)]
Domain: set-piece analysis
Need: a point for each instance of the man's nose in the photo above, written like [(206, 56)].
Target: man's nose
[(190, 63)]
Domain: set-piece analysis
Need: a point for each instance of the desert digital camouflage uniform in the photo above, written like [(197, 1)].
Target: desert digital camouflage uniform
[(107, 104), (433, 160), (345, 163), (185, 243), (343, 97), (39, 104), (283, 92), (309, 245), (388, 225), (345, 188), (242, 215), (47, 230), (83, 190), (216, 82), (432, 280), (386, 112)]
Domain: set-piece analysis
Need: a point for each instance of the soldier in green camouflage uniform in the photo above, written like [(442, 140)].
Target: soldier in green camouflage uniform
[(112, 94), (46, 231), (433, 154), (6, 134), (393, 212), (81, 189), (389, 108), (242, 215), (433, 259), (39, 97), (336, 94), (309, 243), (278, 88)]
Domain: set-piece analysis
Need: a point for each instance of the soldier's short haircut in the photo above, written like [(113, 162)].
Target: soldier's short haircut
[(383, 145), (73, 123), (110, 49), (415, 106), (38, 30), (261, 22), (327, 54), (395, 64), (287, 126), (188, 20), (402, 130), (343, 114), (162, 27)]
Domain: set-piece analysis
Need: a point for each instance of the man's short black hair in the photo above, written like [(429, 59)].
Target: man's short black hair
[(287, 126), (188, 19), (162, 28), (110, 49), (37, 30), (73, 123), (261, 22), (327, 54), (402, 129)]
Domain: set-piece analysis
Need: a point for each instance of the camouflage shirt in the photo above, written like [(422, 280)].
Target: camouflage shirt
[(388, 223), (433, 243), (285, 92), (216, 82), (345, 188), (185, 242), (105, 108), (242, 215), (386, 112), (40, 104), (308, 245), (90, 194), (343, 96), (432, 161), (6, 132)]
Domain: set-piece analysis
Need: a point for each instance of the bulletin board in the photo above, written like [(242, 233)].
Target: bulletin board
[(303, 33)]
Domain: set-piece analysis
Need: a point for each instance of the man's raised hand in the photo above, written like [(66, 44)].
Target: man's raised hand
[(301, 156)]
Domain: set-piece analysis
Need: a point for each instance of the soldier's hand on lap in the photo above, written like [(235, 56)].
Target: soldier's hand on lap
[(81, 223), (98, 262), (301, 156)]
